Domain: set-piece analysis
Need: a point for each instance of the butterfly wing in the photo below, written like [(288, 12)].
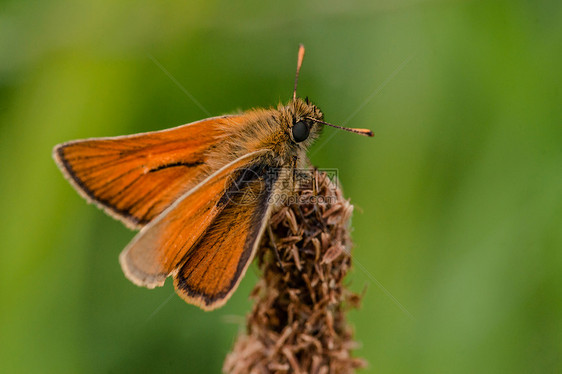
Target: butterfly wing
[(212, 269), (136, 177), (171, 239)]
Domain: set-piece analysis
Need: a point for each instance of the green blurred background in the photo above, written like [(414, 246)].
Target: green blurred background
[(458, 196)]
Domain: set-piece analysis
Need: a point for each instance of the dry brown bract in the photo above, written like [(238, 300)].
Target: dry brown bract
[(298, 323)]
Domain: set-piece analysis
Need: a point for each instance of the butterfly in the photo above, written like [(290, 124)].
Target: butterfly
[(200, 194)]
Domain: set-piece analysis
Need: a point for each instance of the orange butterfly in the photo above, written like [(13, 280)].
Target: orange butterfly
[(201, 193)]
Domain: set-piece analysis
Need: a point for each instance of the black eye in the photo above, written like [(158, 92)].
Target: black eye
[(300, 131)]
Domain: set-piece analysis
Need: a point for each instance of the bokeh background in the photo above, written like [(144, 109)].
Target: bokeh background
[(458, 196)]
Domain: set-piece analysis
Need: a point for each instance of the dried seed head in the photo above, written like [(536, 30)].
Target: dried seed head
[(298, 321)]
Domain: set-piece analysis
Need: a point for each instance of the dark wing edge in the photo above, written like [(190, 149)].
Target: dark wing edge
[(158, 241), (232, 241), (126, 145)]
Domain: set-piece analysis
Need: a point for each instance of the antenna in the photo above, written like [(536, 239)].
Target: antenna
[(299, 63), (364, 132)]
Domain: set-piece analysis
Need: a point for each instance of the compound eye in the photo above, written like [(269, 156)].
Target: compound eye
[(300, 132)]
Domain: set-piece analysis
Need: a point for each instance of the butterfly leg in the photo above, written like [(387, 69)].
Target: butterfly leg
[(274, 246), (293, 173), (315, 181), (316, 190), (302, 215)]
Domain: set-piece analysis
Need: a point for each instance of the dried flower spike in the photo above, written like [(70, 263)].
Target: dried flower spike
[(298, 323)]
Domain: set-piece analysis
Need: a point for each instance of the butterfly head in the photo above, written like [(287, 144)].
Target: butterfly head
[(287, 131), (307, 119), (301, 121)]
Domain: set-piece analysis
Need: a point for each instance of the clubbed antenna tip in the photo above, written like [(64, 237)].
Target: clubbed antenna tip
[(299, 63)]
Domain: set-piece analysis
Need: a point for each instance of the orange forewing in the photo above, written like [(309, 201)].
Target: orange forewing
[(136, 177), (161, 246), (213, 268)]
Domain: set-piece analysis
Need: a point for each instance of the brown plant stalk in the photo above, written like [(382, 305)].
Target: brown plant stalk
[(298, 323)]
